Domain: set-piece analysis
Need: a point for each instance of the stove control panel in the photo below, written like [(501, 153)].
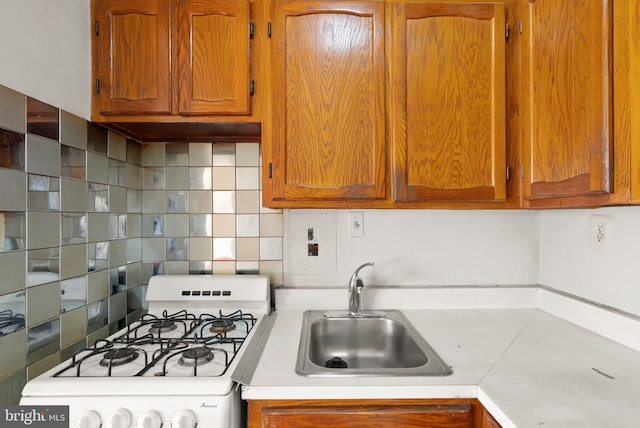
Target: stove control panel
[(121, 418), (219, 288), (205, 293)]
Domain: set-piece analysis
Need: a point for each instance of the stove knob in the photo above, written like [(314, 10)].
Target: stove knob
[(183, 419), (149, 419), (89, 419), (118, 419)]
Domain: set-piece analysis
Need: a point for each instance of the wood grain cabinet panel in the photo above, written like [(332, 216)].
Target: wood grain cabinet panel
[(367, 413), (172, 57), (443, 98), (488, 421), (134, 56), (567, 98), (370, 416), (343, 414), (328, 137), (213, 56), (448, 101)]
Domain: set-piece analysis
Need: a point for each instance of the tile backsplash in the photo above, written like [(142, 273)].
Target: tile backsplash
[(201, 211), (87, 216)]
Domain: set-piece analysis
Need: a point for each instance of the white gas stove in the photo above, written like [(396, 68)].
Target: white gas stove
[(173, 367)]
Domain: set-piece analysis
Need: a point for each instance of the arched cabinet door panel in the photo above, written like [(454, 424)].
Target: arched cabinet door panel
[(172, 57), (328, 138), (213, 57), (134, 65), (567, 98), (448, 102)]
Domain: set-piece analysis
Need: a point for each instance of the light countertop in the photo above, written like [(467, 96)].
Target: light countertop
[(556, 374), (527, 367)]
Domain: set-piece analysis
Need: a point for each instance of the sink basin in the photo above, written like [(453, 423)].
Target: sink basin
[(334, 344)]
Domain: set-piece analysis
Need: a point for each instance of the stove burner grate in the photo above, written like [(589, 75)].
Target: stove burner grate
[(162, 326), (195, 357), (221, 325), (118, 357), (156, 326), (189, 344)]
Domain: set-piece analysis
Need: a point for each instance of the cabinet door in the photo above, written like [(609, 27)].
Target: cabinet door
[(373, 416), (567, 63), (329, 130), (488, 421), (213, 56), (134, 64), (448, 101)]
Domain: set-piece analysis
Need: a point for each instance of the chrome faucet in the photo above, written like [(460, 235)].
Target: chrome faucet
[(356, 289)]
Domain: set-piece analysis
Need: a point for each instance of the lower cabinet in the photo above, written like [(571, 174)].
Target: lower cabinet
[(431, 413), (488, 421)]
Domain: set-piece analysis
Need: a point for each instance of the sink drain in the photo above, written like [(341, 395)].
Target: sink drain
[(336, 363)]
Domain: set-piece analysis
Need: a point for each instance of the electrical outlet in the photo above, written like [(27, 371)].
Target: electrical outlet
[(306, 228), (356, 224), (601, 232)]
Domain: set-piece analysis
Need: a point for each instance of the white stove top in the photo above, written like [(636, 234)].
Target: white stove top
[(169, 345), (186, 346)]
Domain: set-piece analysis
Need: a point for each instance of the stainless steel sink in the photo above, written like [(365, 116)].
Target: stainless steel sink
[(333, 344)]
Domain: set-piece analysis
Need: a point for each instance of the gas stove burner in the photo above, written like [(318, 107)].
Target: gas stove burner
[(118, 357), (221, 326), (195, 357), (162, 326)]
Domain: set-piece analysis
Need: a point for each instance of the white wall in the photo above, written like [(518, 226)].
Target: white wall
[(415, 247), (568, 262), (45, 51), (442, 247)]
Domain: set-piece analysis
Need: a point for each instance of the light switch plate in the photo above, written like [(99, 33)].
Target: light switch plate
[(356, 224)]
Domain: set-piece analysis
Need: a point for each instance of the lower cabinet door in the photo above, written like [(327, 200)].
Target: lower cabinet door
[(340, 415)]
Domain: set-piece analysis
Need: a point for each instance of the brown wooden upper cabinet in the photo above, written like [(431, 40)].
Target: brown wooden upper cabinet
[(328, 135), (580, 115), (134, 73), (567, 98), (180, 57), (567, 71), (448, 102), (387, 104), (213, 56), (558, 103)]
